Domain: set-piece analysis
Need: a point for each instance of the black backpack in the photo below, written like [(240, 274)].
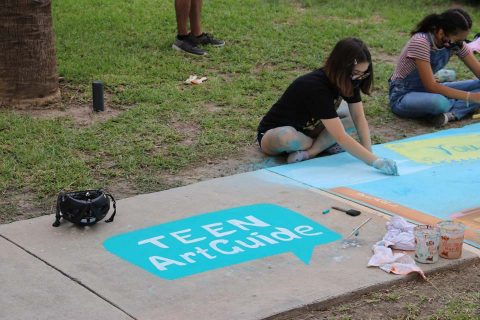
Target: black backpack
[(84, 208)]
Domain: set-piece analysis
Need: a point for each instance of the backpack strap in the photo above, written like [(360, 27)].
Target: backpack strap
[(57, 214), (114, 208)]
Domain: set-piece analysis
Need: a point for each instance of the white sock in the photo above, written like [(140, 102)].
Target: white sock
[(297, 156)]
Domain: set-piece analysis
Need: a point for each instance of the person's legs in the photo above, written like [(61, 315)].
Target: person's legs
[(284, 139), (195, 17), (421, 104), (299, 146), (182, 11), (185, 41), (196, 27), (466, 85), (344, 115), (325, 140), (460, 107)]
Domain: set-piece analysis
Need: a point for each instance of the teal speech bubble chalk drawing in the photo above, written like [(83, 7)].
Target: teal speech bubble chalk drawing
[(218, 239)]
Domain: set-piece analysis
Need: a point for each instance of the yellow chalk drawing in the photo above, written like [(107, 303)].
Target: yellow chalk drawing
[(437, 150)]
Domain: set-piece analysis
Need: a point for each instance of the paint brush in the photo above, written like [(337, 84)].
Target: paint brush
[(350, 212), (358, 228)]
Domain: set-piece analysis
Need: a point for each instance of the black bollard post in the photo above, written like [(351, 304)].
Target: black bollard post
[(97, 91)]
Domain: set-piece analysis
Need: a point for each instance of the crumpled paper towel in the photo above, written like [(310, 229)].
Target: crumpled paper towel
[(398, 263), (194, 79), (400, 234)]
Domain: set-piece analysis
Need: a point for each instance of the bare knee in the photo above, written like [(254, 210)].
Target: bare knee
[(288, 139), (285, 134), (285, 139)]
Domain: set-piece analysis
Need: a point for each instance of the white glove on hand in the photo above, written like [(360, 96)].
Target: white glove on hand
[(387, 166)]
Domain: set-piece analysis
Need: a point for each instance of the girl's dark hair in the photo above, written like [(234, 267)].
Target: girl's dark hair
[(451, 22), (341, 62)]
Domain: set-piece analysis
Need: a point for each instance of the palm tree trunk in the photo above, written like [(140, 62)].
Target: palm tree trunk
[(28, 71)]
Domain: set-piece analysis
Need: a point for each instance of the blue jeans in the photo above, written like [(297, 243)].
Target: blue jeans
[(417, 104)]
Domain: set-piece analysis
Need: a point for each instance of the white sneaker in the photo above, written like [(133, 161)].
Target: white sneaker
[(442, 119)]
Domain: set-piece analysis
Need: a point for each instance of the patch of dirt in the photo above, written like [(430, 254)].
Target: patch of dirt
[(260, 67), (212, 107), (190, 131), (250, 159), (456, 289), (226, 77), (121, 189), (401, 128), (299, 6), (76, 105), (382, 57), (21, 205)]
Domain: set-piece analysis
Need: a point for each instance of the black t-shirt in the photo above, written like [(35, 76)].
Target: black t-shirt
[(308, 99)]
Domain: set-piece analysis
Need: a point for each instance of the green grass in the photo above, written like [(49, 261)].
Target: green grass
[(127, 44), (463, 308)]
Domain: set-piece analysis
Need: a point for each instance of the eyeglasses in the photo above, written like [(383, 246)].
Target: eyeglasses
[(360, 76)]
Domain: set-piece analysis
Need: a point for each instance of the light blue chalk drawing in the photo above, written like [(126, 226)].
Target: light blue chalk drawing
[(444, 184), (219, 239)]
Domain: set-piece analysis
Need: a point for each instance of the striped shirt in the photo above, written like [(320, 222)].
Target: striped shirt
[(418, 47)]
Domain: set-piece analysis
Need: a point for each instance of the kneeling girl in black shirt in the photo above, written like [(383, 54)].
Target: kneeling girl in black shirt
[(304, 121)]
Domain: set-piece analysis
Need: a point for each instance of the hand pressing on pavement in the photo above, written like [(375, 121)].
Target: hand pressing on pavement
[(386, 166)]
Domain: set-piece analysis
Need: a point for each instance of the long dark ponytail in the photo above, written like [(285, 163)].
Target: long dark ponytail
[(451, 22)]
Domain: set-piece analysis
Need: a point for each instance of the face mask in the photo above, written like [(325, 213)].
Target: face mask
[(452, 45), (356, 83)]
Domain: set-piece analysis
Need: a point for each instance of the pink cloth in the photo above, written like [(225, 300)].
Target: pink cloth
[(398, 263), (474, 45)]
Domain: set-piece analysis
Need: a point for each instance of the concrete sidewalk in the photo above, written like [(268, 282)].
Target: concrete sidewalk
[(66, 273)]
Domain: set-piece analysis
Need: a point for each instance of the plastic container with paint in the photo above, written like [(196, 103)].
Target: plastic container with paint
[(451, 239), (446, 75), (427, 243)]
